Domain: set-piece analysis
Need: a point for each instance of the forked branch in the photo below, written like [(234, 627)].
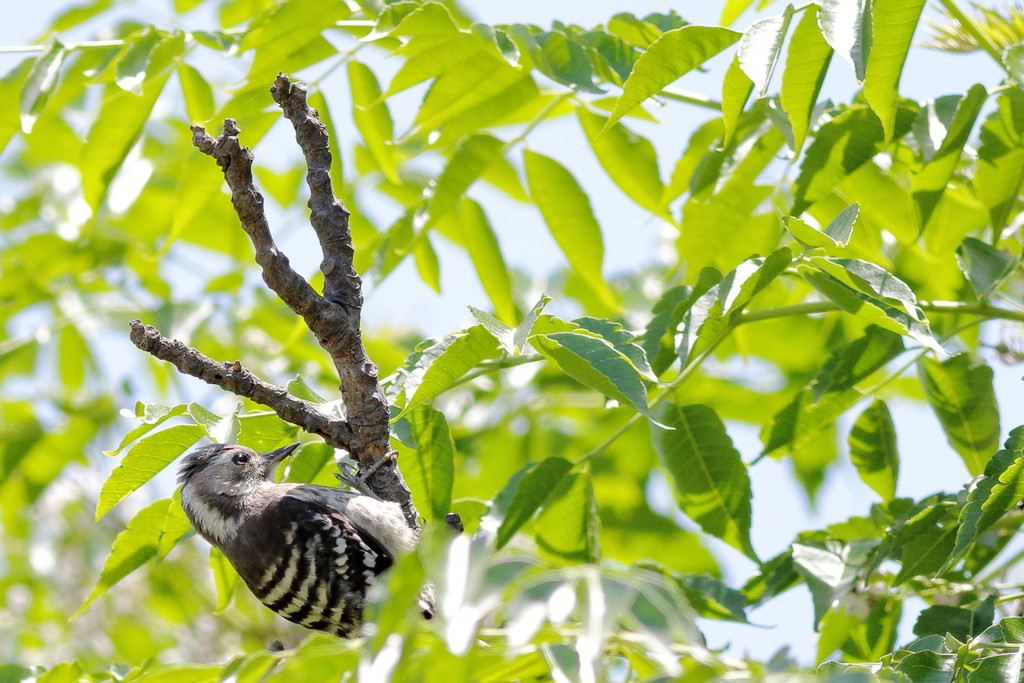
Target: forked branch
[(333, 317)]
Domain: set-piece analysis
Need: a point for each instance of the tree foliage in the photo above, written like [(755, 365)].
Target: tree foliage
[(821, 261)]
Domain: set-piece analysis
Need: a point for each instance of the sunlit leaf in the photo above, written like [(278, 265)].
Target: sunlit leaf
[(40, 82), (760, 47), (671, 55), (846, 26), (133, 547), (467, 163), (485, 253), (529, 495), (873, 449), (149, 456), (629, 159), (597, 364), (999, 491), (120, 121), (1000, 172), (429, 469), (807, 61), (892, 28), (570, 218), (373, 119), (567, 526), (872, 293), (445, 362), (960, 392), (836, 234), (930, 182), (985, 266)]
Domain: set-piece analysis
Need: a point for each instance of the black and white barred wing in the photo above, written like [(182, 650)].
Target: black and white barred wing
[(318, 566)]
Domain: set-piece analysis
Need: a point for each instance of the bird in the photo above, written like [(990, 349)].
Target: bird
[(310, 553)]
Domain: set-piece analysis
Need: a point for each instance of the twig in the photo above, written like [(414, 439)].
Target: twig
[(334, 317), (236, 379)]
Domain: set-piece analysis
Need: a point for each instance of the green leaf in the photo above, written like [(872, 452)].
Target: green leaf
[(857, 360), (873, 449), (760, 47), (569, 217), (998, 492), (892, 28), (221, 429), (659, 336), (199, 102), (225, 578), (597, 364), (873, 294), (985, 266), (713, 315), (846, 26), (525, 328), (840, 147), (803, 419), (373, 119), (132, 63), (830, 571), (483, 89), (807, 61), (925, 541), (152, 415), (630, 160), (959, 622), (736, 89), (710, 480), (565, 60), (133, 547), (40, 82), (837, 234), (671, 55), (430, 467), (485, 253), (713, 598), (960, 392), (568, 524), (622, 339), (468, 162), (529, 494), (175, 527), (120, 122), (145, 460), (1013, 60), (1000, 171), (633, 30), (929, 184), (440, 365), (502, 332)]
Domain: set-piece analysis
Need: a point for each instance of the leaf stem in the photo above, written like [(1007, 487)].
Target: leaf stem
[(690, 98), (981, 308), (541, 115)]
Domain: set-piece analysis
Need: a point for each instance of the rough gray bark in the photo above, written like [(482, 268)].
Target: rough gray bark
[(333, 317)]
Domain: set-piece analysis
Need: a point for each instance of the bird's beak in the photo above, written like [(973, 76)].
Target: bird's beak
[(274, 457)]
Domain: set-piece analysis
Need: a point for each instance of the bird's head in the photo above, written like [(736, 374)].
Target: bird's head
[(222, 483), (230, 469)]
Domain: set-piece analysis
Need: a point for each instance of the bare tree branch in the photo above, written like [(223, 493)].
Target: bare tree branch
[(236, 379), (334, 317)]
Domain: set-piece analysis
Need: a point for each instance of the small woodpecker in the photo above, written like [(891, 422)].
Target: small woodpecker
[(308, 552)]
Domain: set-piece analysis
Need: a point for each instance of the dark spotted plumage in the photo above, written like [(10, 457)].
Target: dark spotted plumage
[(307, 552)]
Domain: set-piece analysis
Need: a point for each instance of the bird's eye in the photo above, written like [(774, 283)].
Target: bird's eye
[(240, 458)]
